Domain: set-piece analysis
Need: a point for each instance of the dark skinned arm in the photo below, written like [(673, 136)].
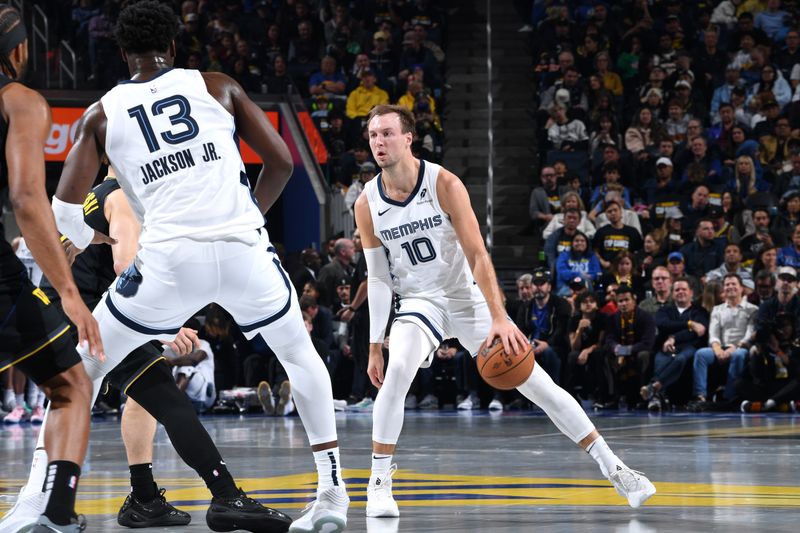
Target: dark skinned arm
[(254, 128), (28, 117), (83, 161), (191, 359)]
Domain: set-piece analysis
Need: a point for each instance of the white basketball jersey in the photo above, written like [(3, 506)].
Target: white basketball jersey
[(425, 257), (24, 254), (173, 148)]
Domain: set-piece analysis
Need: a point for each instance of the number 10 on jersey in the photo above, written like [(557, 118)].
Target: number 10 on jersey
[(419, 250)]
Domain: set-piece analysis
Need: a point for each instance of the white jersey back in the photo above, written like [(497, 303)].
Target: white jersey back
[(425, 257), (173, 148), (24, 254)]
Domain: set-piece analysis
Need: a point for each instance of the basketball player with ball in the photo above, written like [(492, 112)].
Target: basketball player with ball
[(422, 241)]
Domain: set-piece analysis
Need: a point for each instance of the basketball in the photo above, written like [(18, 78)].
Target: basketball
[(502, 370)]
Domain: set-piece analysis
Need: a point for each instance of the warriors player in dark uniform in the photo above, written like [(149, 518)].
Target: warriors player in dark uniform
[(147, 379), (34, 335)]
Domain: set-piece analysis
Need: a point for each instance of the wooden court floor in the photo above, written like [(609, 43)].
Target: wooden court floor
[(476, 472)]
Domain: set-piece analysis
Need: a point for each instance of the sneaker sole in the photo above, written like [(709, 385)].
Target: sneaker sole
[(283, 393), (383, 514), (154, 522), (647, 495), (254, 524), (325, 524)]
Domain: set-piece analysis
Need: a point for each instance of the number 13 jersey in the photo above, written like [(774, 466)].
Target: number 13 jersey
[(175, 152), (425, 257)]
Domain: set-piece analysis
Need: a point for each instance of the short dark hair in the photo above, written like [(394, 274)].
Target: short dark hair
[(685, 280), (733, 275), (146, 26), (582, 297), (407, 121), (625, 289), (725, 104), (574, 211), (307, 302)]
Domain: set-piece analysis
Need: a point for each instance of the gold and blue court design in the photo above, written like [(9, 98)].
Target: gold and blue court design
[(477, 472)]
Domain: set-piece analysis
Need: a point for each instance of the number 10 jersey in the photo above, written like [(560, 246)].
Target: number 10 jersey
[(174, 149), (425, 257)]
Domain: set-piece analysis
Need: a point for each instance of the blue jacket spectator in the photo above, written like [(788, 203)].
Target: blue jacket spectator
[(579, 261)]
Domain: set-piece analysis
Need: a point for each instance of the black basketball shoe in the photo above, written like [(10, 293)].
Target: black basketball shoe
[(156, 512), (242, 512)]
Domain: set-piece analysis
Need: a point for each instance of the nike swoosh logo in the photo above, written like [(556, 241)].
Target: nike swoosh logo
[(381, 213)]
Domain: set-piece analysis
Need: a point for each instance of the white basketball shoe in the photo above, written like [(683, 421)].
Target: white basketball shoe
[(632, 485), (326, 514), (380, 502)]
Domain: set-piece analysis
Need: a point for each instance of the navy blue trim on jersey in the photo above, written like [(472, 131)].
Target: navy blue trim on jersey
[(161, 73), (270, 319), (410, 196), (135, 326), (424, 320)]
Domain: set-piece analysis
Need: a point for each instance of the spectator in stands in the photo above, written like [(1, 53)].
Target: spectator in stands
[(676, 265), (660, 192), (777, 148), (722, 94), (328, 81), (682, 329), (732, 264), (364, 97), (570, 200), (765, 289), (413, 54), (615, 237), (767, 259), (696, 209), (698, 153), (629, 217), (671, 231), (545, 202), (644, 134), (414, 94), (710, 60), (661, 281), (604, 131), (622, 272), (784, 300), (730, 335), (340, 267), (611, 176), (322, 323), (630, 335), (575, 95), (704, 253), (561, 240), (586, 337), (306, 271), (650, 256), (790, 255), (565, 133), (772, 86), (545, 323), (788, 213), (753, 242), (279, 81), (579, 261), (677, 123), (367, 172), (789, 179), (773, 21)]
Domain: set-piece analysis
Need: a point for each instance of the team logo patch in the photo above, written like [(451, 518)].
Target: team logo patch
[(129, 281)]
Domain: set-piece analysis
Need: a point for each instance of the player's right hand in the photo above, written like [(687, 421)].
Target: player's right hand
[(375, 365), (88, 330)]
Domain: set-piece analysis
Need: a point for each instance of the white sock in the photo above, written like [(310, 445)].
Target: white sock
[(607, 460), (380, 464), (35, 483), (20, 399), (8, 398), (40, 398), (329, 470)]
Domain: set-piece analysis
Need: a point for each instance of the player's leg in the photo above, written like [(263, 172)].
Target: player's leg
[(259, 296), (146, 505), (156, 392), (17, 381), (409, 346), (562, 409)]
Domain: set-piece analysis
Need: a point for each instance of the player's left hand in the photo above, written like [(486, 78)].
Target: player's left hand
[(185, 342), (509, 334), (70, 249)]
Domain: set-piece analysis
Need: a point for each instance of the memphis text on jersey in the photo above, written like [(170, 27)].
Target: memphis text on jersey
[(411, 227), (167, 164)]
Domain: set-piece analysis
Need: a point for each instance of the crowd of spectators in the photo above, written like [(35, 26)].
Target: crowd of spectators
[(341, 57), (668, 201), (666, 205)]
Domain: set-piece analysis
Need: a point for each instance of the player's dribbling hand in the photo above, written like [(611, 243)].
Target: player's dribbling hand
[(509, 334), (185, 342), (375, 365), (88, 330)]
